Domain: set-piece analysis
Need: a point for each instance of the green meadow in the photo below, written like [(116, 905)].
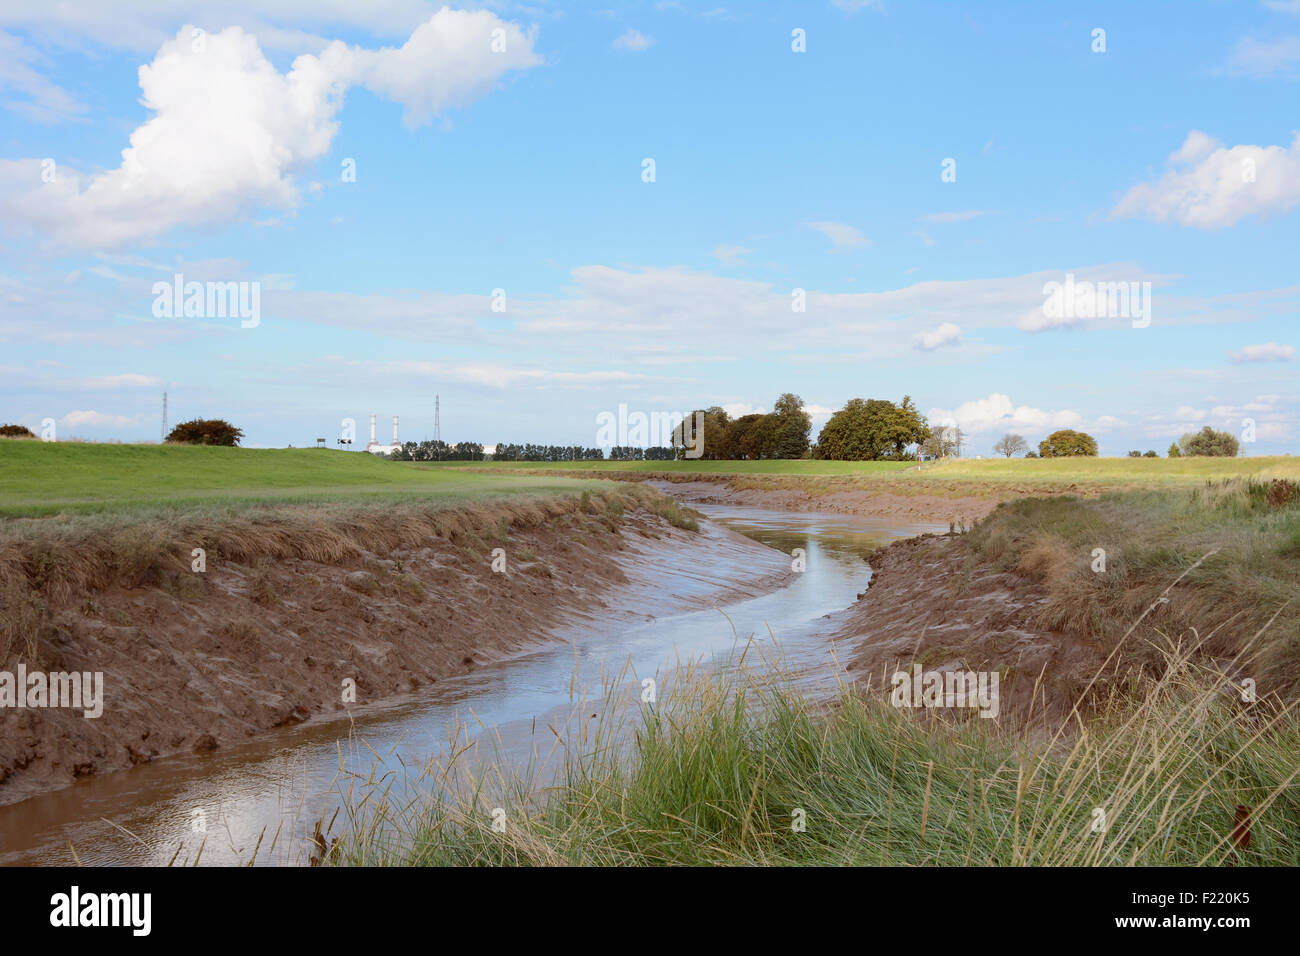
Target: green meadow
[(40, 479)]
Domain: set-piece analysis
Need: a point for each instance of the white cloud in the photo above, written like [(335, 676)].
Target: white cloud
[(740, 409), (38, 99), (997, 412), (131, 380), (841, 235), (141, 25), (853, 6), (1266, 58), (633, 40), (731, 255), (946, 217), (78, 418), (229, 132), (947, 334), (1209, 186), (1268, 352)]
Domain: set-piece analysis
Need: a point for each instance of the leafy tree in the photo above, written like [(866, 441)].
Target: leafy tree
[(1031, 454), (872, 429), (1067, 443), (1135, 454), (714, 435), (1175, 451), (1010, 444), (1150, 454), (1208, 442), (16, 431), (208, 431), (791, 427)]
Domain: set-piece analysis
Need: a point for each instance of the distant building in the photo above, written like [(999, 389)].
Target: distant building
[(375, 448)]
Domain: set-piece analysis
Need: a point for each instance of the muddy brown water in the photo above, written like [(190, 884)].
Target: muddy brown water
[(259, 801)]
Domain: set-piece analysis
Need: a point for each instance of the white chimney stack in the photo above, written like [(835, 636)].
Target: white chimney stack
[(395, 430), (372, 429)]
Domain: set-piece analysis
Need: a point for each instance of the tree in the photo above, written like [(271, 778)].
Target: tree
[(1175, 451), (1150, 454), (1208, 442), (872, 429), (1010, 444), (792, 426), (944, 441), (1067, 443), (712, 440), (211, 431), (1031, 454), (1135, 454), (16, 431)]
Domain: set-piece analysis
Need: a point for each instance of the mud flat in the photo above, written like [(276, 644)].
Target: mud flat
[(874, 504), (193, 662)]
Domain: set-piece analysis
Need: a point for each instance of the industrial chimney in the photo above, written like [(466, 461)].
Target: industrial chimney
[(395, 441)]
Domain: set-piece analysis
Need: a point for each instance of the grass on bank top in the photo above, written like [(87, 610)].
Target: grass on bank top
[(1058, 472), (46, 478)]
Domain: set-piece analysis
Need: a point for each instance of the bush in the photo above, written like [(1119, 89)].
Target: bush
[(214, 431), (1150, 454), (1175, 451), (1067, 443), (16, 431), (1135, 454), (1209, 443)]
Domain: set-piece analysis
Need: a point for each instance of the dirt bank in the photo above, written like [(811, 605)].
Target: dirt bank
[(195, 661), (931, 602), (879, 504)]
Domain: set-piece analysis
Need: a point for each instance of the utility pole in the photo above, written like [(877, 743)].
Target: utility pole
[(437, 424)]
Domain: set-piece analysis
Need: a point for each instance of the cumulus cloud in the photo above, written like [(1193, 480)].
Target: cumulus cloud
[(229, 133), (633, 40), (998, 412), (1209, 186), (1268, 352), (947, 334), (841, 235)]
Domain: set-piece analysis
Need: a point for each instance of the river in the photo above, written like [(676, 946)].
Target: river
[(215, 808)]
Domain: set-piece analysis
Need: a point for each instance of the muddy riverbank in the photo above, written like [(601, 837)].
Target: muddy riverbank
[(198, 661), (873, 504)]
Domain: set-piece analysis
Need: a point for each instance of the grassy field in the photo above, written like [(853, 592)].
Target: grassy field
[(953, 476), (40, 479)]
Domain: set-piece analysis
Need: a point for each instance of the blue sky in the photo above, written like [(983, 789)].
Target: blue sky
[(521, 169)]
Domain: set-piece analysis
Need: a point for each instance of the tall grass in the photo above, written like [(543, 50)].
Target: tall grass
[(726, 766), (1235, 542)]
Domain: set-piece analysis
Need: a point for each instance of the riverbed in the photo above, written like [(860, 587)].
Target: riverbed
[(260, 800)]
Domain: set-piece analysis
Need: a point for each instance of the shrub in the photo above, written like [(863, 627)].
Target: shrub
[(16, 431), (214, 431), (1066, 443), (1209, 443)]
